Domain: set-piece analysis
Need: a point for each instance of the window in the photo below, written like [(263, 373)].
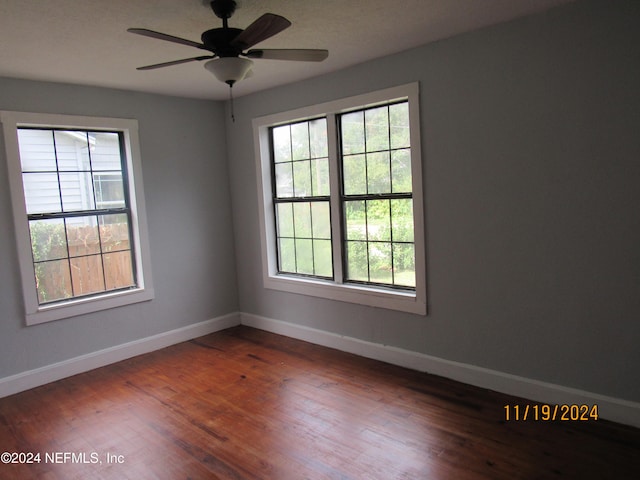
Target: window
[(79, 213), (301, 197), (342, 200), (375, 156)]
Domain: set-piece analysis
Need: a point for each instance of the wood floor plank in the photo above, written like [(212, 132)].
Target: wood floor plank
[(246, 404)]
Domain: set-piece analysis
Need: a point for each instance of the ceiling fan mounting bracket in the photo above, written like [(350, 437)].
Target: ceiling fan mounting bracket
[(223, 8)]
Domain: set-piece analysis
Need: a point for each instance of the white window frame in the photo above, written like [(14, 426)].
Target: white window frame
[(389, 298), (35, 313)]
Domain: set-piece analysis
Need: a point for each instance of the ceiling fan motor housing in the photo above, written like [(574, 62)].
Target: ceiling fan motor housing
[(218, 40)]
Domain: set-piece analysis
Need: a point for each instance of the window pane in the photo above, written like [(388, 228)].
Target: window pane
[(114, 232), (399, 124), (318, 138), (352, 133), (83, 236), (322, 260), (105, 151), (321, 220), (284, 180), (356, 220), (402, 220), (378, 220), (86, 275), (380, 266), (281, 144), (401, 171), (287, 255), (302, 178), (36, 150), (41, 192), (77, 191), (320, 177), (304, 256), (404, 264), (300, 141), (72, 150), (354, 175), (53, 281), (285, 219), (377, 127), (378, 173), (109, 190), (302, 219), (357, 261), (48, 241), (118, 270)]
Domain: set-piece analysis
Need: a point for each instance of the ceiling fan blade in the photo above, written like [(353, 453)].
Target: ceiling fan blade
[(175, 62), (163, 36), (296, 54), (264, 27)]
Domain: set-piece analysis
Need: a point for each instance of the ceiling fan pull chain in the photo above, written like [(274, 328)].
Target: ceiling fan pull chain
[(233, 117)]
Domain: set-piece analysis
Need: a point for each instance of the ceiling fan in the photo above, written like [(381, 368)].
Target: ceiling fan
[(229, 59)]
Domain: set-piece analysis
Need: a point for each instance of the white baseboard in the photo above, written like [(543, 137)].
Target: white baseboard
[(73, 366), (610, 408)]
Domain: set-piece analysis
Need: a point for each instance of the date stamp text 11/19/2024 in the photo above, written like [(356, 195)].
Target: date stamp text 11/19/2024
[(551, 413)]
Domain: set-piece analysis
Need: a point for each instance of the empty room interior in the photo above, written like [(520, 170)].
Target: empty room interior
[(321, 240)]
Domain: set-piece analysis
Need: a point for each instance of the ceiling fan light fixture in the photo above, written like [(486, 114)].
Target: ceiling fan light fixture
[(229, 70)]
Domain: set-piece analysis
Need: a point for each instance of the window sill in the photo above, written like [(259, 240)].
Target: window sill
[(403, 301), (81, 306)]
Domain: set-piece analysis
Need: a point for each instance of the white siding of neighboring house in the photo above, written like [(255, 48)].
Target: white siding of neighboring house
[(40, 179)]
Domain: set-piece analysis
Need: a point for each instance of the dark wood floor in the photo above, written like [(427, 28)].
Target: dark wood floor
[(245, 404)]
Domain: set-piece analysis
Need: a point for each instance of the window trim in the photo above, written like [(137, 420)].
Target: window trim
[(34, 312), (394, 299)]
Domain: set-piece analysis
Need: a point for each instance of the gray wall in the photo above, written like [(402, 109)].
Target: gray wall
[(531, 146), (189, 219)]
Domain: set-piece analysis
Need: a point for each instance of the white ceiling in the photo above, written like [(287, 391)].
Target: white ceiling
[(86, 42)]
